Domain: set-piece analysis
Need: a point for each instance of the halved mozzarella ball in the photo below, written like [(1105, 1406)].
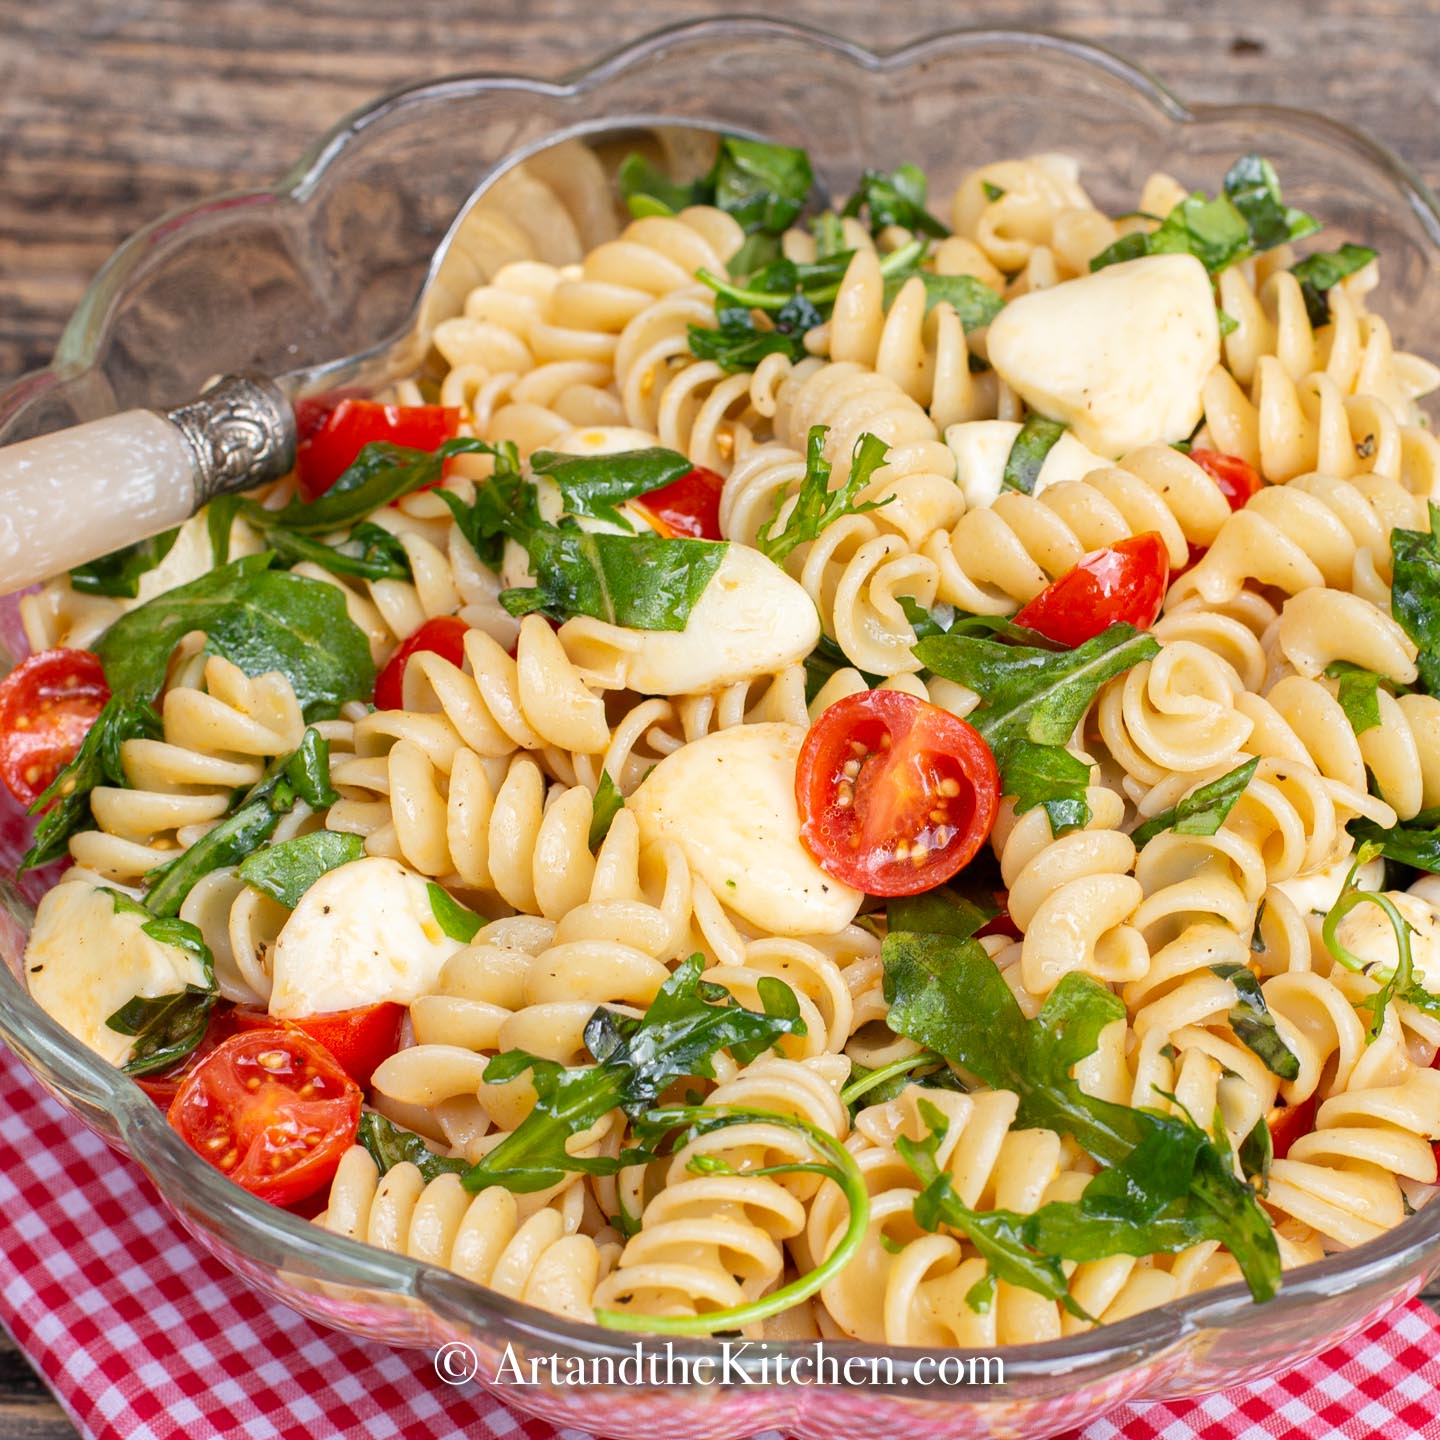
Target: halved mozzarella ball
[(750, 620), (1368, 933), (728, 802), (362, 933), (86, 959), (982, 448), (1120, 356), (1314, 894)]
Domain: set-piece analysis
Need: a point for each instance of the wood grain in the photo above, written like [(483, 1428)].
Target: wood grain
[(111, 114)]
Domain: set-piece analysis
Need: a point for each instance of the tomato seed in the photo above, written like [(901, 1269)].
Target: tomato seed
[(949, 788), (902, 849), (271, 1059)]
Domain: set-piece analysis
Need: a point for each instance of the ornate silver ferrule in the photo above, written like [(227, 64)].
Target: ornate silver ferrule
[(240, 430)]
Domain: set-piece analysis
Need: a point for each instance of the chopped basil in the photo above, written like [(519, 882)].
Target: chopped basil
[(390, 1146), (453, 918), (1037, 438), (594, 485), (168, 1027), (1415, 594), (1049, 776), (119, 573), (286, 871), (737, 342), (1322, 271), (1254, 1025), (1200, 813), (895, 199), (1359, 694), (609, 802)]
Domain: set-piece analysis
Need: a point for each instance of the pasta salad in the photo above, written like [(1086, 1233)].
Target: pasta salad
[(823, 771)]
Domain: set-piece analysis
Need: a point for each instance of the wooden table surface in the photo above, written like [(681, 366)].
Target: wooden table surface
[(111, 113)]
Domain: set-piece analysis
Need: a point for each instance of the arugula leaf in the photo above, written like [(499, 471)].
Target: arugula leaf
[(972, 300), (64, 805), (876, 1087), (119, 572), (946, 910), (1254, 189), (305, 770), (1029, 693), (947, 995), (1257, 1153), (738, 343), (1411, 842), (453, 918), (1037, 438), (829, 235), (368, 552), (609, 802), (764, 186), (168, 1027), (286, 871), (817, 506), (1322, 271), (1128, 247), (647, 190), (390, 1146), (1203, 812), (1254, 1025), (1359, 694), (258, 618), (1047, 775), (683, 1029), (504, 507), (643, 582), (1415, 593), (777, 285), (895, 199), (595, 484)]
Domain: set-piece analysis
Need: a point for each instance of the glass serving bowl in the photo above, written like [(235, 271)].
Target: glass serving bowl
[(328, 261)]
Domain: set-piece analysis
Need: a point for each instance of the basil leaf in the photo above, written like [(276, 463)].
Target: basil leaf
[(1411, 842), (1037, 438), (817, 506), (304, 772), (946, 910), (1033, 694), (453, 918), (258, 618), (972, 300), (763, 186), (926, 622), (595, 484), (1200, 813), (286, 871), (390, 1146), (64, 805), (1254, 189), (168, 1027), (227, 843), (609, 802), (1128, 247), (1415, 594), (895, 199), (948, 995), (738, 343), (685, 1027), (1047, 775), (1257, 1154), (119, 572), (648, 191), (1359, 694), (1254, 1025), (369, 552), (642, 582), (504, 507), (1322, 271)]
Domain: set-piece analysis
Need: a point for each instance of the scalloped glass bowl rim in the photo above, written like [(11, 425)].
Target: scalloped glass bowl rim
[(274, 1238)]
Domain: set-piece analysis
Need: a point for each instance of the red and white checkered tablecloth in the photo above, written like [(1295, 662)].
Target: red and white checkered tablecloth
[(142, 1335)]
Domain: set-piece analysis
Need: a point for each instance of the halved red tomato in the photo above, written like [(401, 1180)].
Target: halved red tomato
[(1288, 1123), (330, 437), (47, 705), (359, 1039), (1125, 581), (444, 635), (226, 1020), (689, 506), (895, 795), (1237, 479), (272, 1110)]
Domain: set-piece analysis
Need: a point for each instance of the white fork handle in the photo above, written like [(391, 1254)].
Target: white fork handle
[(77, 494)]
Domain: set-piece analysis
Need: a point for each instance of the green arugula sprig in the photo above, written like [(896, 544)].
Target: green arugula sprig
[(1359, 693), (119, 573), (167, 1027), (1037, 438), (678, 1037), (1254, 1025), (1397, 983), (1203, 811), (1248, 216), (1318, 274), (817, 506), (390, 1146), (1415, 593), (895, 199), (1414, 842), (739, 341), (1166, 1181)]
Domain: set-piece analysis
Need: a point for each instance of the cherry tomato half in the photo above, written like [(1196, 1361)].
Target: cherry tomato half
[(332, 438), (1288, 1123), (687, 507), (1126, 581), (358, 1039), (1237, 479), (47, 705), (226, 1020), (272, 1110), (895, 795), (444, 635)]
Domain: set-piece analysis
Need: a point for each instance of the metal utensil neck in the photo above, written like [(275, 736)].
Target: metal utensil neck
[(240, 431)]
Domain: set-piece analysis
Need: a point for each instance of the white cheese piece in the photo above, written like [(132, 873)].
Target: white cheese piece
[(1315, 894), (752, 619), (86, 959), (362, 933), (982, 447), (728, 802), (1367, 931), (1119, 356)]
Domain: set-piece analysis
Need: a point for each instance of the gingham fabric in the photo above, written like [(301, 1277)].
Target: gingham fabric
[(143, 1335)]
